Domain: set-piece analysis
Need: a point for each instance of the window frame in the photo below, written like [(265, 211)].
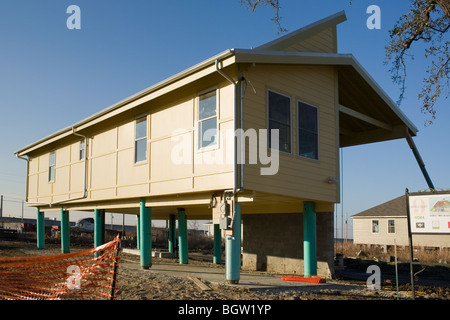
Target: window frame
[(377, 224), (137, 120), (51, 167), (215, 144), (389, 226), (82, 150), (269, 136), (317, 134)]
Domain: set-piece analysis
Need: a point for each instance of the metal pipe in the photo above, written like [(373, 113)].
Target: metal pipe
[(416, 153), (233, 243), (28, 164), (235, 189), (411, 249)]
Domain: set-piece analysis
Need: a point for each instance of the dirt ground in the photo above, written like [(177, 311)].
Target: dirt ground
[(433, 283)]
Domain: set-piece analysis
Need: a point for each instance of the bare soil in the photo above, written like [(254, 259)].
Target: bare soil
[(433, 283)]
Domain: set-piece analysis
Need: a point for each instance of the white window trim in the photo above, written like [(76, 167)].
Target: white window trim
[(395, 229), (136, 120), (371, 225), (50, 178), (290, 120), (82, 149), (318, 130), (198, 139)]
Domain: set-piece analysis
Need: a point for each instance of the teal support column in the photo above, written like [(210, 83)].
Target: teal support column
[(171, 236), (182, 236), (40, 230), (99, 227), (233, 249), (138, 232), (309, 239), (217, 253), (145, 225), (65, 231)]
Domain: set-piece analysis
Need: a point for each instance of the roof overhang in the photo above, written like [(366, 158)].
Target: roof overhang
[(366, 113), (194, 73)]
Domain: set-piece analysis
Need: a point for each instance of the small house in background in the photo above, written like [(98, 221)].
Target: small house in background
[(382, 224), (249, 135)]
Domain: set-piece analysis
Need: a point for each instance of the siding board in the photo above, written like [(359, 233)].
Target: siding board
[(297, 176)]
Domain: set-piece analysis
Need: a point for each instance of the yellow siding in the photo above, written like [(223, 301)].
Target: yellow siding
[(112, 172), (324, 41), (298, 177)]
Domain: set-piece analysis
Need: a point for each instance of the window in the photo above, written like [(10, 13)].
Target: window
[(279, 108), (375, 226), (391, 226), (140, 140), (82, 149), (207, 120), (51, 167), (308, 127)]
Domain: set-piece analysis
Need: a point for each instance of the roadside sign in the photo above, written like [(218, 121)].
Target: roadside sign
[(429, 212)]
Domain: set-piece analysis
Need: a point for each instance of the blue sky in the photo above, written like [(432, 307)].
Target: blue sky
[(52, 77)]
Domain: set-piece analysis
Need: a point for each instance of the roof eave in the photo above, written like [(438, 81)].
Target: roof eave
[(68, 131), (313, 58)]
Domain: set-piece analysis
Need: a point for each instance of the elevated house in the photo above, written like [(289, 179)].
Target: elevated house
[(387, 224), (249, 135)]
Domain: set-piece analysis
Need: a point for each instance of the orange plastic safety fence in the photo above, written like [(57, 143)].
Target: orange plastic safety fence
[(86, 275)]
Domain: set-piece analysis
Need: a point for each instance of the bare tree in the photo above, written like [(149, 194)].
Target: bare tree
[(275, 4), (428, 22)]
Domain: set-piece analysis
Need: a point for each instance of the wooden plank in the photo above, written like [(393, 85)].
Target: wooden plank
[(199, 283)]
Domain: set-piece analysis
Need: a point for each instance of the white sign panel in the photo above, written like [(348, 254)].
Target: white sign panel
[(430, 213)]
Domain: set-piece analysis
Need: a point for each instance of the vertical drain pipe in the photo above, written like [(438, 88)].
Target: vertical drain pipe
[(233, 242)]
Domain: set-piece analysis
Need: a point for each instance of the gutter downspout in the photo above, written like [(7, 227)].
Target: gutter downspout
[(235, 84), (28, 168), (85, 174), (233, 242)]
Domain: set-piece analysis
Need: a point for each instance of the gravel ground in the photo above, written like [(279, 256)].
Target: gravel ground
[(136, 284)]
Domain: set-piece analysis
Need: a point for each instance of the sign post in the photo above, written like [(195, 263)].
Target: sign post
[(427, 213), (411, 251)]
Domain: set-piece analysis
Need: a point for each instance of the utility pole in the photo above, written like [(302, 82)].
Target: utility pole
[(1, 206)]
